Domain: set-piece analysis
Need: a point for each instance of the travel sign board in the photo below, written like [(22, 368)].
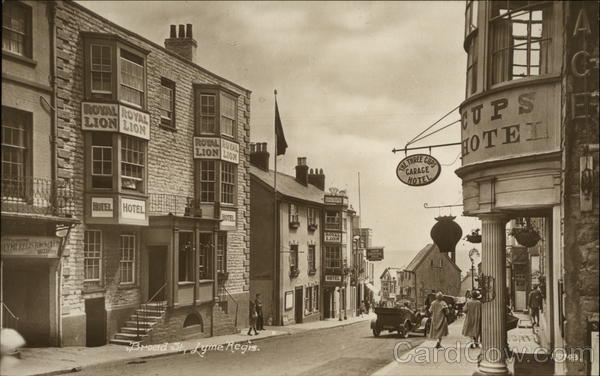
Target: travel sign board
[(418, 169)]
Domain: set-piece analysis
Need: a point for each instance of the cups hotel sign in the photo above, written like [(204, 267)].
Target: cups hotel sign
[(112, 117), (511, 124)]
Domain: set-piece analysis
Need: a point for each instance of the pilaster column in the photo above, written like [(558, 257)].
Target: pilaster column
[(493, 265)]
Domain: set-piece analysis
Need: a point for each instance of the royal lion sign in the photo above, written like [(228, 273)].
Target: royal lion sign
[(418, 169)]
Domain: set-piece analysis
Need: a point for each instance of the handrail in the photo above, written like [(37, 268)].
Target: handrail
[(144, 309), (11, 312), (236, 306)]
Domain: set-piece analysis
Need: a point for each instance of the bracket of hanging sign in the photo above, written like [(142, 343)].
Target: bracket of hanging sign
[(405, 149), (426, 206)]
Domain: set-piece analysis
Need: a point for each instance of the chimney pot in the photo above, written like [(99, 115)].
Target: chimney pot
[(188, 31), (259, 156), (181, 31), (302, 171), (173, 31)]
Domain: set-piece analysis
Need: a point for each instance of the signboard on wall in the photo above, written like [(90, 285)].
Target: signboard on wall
[(333, 278), (418, 169), (375, 254), (289, 300), (511, 124), (132, 209), (207, 148), (335, 200), (332, 237), (134, 123), (112, 117), (101, 207), (230, 151), (228, 219), (30, 246)]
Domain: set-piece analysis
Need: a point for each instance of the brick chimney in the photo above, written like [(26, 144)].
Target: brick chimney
[(183, 44), (259, 156), (302, 171), (317, 178)]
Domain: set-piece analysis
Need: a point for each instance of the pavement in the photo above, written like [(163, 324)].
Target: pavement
[(60, 360), (456, 357)]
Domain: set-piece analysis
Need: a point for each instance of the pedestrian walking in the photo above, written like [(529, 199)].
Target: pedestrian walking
[(439, 322), (252, 317), (367, 306), (535, 305), (472, 324), (259, 313)]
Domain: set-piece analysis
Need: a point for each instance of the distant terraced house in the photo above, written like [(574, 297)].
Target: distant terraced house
[(125, 183)]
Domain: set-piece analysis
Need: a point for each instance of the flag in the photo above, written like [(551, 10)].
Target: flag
[(280, 142)]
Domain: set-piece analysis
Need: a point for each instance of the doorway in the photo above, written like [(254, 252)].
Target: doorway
[(95, 322), (298, 305), (157, 269)]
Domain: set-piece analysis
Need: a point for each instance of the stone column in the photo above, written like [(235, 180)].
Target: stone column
[(493, 264)]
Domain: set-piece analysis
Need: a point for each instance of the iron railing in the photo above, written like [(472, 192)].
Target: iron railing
[(37, 196), (164, 204), (154, 306), (10, 321), (224, 298)]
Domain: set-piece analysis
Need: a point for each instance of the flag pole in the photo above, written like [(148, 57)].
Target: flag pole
[(276, 269)]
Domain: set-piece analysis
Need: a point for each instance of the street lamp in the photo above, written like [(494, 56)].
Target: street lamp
[(473, 253)]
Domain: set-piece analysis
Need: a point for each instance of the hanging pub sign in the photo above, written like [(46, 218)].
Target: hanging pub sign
[(418, 169), (375, 254)]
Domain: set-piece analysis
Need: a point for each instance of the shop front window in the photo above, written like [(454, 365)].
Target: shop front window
[(186, 256), (204, 251)]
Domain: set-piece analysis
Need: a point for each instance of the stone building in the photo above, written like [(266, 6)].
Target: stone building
[(389, 285), (38, 206), (430, 270), (155, 147), (530, 153), (289, 280)]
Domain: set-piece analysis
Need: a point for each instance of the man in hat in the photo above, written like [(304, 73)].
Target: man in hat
[(472, 324), (535, 304)]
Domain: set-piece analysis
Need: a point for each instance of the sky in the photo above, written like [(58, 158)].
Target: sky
[(354, 81)]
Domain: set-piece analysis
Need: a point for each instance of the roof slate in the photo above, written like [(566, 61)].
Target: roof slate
[(288, 186)]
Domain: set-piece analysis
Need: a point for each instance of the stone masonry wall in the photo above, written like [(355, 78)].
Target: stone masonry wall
[(170, 160)]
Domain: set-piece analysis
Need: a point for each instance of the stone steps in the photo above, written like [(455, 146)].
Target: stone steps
[(140, 322)]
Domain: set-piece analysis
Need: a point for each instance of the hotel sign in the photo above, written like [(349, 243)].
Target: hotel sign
[(112, 117), (228, 219), (511, 124), (30, 246), (375, 254), (216, 148), (132, 209), (333, 278), (335, 200), (332, 237), (418, 169), (102, 207)]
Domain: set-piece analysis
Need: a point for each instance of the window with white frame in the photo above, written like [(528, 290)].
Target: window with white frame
[(472, 57), (92, 255), (127, 262), (315, 297), (16, 152), (16, 28), (221, 252), (167, 102), (293, 256), (520, 39), (311, 257), (311, 219), (228, 105), (333, 220), (208, 114), (102, 160), (293, 210), (207, 180), (228, 182), (308, 299), (333, 256), (132, 163), (132, 78)]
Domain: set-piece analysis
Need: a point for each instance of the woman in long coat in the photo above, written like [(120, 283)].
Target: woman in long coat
[(472, 324), (439, 321)]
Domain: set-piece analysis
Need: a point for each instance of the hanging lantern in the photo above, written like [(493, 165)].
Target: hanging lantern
[(446, 233)]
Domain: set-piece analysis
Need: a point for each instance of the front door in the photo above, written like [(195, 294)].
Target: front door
[(95, 322), (157, 269), (298, 305)]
